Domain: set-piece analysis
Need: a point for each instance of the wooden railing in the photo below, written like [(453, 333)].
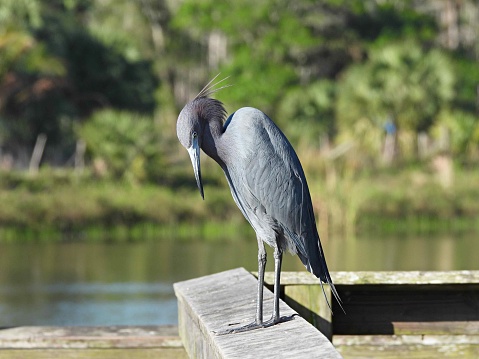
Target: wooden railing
[(106, 342), (210, 304), (392, 314), (388, 315)]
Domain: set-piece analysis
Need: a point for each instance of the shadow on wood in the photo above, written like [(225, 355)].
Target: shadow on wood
[(409, 309), (418, 314)]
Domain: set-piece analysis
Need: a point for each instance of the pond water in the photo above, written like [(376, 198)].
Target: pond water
[(91, 283)]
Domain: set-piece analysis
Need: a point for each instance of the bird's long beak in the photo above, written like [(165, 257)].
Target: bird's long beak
[(194, 152)]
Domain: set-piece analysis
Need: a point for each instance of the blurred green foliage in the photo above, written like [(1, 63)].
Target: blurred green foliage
[(334, 75), (66, 202), (400, 83), (341, 69), (123, 144), (55, 73)]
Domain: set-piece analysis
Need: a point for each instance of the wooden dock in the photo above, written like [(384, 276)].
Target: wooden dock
[(393, 314), (118, 342), (209, 304), (389, 315)]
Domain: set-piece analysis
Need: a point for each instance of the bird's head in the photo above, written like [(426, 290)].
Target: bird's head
[(193, 120), (190, 134)]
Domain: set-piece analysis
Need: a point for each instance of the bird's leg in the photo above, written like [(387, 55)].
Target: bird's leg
[(258, 322), (261, 268), (275, 318), (278, 258)]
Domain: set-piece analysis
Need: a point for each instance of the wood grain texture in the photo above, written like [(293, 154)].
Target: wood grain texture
[(90, 337), (141, 353), (215, 302), (396, 314), (115, 342), (381, 278), (310, 303), (412, 302), (407, 346)]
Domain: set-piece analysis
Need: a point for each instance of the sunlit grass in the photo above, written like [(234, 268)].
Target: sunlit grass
[(64, 206)]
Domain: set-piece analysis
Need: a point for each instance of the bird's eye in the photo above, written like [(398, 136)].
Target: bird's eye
[(194, 134)]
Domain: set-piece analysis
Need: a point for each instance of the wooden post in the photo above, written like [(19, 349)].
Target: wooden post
[(310, 303), (393, 314), (303, 293), (80, 156), (215, 302), (37, 153)]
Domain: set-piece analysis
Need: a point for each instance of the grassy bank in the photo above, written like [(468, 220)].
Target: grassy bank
[(59, 204), (407, 200)]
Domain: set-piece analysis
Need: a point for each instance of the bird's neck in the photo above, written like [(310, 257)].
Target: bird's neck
[(211, 114), (212, 133)]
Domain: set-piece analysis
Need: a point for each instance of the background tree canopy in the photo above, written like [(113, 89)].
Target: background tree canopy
[(337, 70)]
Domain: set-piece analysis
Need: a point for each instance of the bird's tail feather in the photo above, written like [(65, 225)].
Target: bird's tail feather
[(329, 281), (317, 266), (311, 254)]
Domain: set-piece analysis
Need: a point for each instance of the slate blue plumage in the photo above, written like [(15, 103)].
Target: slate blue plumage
[(267, 183)]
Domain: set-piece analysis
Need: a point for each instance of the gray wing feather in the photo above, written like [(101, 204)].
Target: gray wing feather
[(275, 176), (269, 186)]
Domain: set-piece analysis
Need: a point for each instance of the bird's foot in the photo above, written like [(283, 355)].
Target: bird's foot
[(244, 328), (255, 325)]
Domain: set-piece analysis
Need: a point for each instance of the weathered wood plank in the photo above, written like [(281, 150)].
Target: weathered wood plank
[(407, 346), (388, 340), (211, 303), (391, 302), (310, 303), (381, 278), (142, 353), (454, 351), (90, 337)]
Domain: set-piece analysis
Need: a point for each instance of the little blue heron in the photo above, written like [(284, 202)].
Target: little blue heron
[(267, 183)]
